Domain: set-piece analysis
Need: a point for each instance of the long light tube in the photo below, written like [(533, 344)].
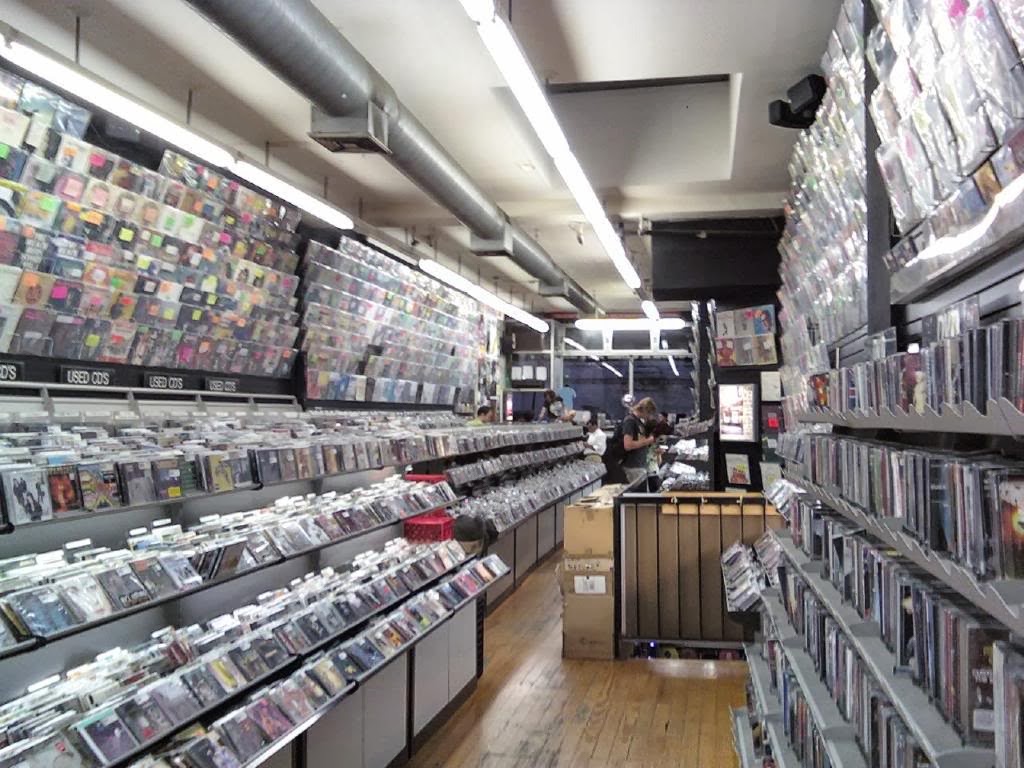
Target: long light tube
[(614, 370), (515, 68), (630, 324), (264, 179), (672, 365), (650, 310), (459, 283), (576, 345), (73, 79)]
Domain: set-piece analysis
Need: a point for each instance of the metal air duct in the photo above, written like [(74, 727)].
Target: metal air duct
[(296, 41)]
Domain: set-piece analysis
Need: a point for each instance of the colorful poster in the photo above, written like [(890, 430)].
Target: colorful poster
[(746, 336), (737, 469)]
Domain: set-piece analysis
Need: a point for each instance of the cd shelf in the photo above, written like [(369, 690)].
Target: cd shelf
[(1001, 599), (835, 731), (742, 737), (936, 737), (37, 642), (568, 451), (1001, 417), (292, 664), (769, 707)]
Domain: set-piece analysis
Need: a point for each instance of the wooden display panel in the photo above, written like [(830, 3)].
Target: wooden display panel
[(647, 570), (668, 575), (732, 531), (689, 572), (711, 604)]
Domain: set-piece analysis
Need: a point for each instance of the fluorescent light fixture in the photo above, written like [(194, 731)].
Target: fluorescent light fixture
[(650, 310), (261, 177), (630, 324), (575, 345), (614, 370), (913, 349), (70, 77), (672, 364), (515, 68), (459, 283)]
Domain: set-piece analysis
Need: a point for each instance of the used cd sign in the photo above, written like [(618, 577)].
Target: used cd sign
[(87, 377)]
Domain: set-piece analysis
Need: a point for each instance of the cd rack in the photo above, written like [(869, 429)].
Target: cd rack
[(837, 734), (1002, 599), (935, 736), (1001, 418), (742, 737), (768, 707)]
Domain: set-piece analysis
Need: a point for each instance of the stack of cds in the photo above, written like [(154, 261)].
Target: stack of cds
[(376, 330), (491, 467)]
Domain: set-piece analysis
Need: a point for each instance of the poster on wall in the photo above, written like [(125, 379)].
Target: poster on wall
[(737, 469), (771, 386), (746, 336), (737, 413)]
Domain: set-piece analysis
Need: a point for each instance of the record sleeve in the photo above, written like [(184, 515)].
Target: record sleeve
[(291, 700), (144, 718), (137, 482), (55, 752), (349, 666), (311, 689), (167, 478), (326, 673), (203, 684), (86, 598), (248, 661), (218, 472), (1010, 494), (107, 736), (270, 650), (26, 496), (62, 482), (174, 699), (123, 587), (180, 571), (154, 577), (270, 720), (68, 336), (207, 752), (241, 732), (227, 674), (39, 611)]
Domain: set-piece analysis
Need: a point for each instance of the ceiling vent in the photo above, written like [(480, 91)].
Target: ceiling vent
[(364, 133)]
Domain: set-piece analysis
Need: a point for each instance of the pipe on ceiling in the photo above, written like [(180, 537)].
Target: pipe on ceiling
[(296, 41)]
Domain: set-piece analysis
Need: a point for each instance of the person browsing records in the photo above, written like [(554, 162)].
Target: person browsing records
[(553, 407), (597, 442), (637, 438), (484, 415)]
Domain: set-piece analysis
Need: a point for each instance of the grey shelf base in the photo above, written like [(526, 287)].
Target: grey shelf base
[(837, 734), (1001, 418), (1001, 599), (743, 738), (938, 739), (767, 702)]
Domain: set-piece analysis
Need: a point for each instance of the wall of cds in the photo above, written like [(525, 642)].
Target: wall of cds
[(376, 330)]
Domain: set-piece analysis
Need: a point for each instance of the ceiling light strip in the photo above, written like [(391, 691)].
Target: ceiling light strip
[(460, 283), (515, 68), (630, 324), (73, 79), (613, 369), (650, 310)]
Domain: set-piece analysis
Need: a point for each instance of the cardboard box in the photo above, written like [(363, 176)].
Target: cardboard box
[(588, 627), (586, 576), (590, 529)]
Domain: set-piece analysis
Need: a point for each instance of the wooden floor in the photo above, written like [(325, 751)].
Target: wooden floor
[(532, 708)]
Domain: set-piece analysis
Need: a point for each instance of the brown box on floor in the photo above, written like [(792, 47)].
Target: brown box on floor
[(590, 528), (588, 626), (586, 575)]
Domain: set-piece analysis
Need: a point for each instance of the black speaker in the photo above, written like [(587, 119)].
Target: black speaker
[(806, 95), (781, 115)]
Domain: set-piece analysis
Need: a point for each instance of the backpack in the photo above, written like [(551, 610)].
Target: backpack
[(615, 451)]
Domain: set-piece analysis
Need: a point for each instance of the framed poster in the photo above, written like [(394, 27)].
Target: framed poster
[(737, 469), (737, 413), (746, 336)]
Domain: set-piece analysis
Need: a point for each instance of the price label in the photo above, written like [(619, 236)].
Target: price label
[(87, 377), (229, 386)]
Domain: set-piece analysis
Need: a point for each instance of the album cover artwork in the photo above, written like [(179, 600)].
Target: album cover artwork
[(123, 587), (242, 733), (203, 685), (62, 482), (228, 675), (137, 481), (207, 752), (218, 470), (86, 598), (248, 662), (144, 718), (167, 478), (107, 736), (68, 335), (270, 720), (26, 495), (55, 752), (181, 571), (32, 336), (327, 674), (291, 700), (154, 577), (174, 699), (39, 611), (1010, 491)]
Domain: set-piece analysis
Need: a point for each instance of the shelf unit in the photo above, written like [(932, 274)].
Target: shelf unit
[(1000, 418), (1001, 599), (835, 731), (742, 737), (934, 735), (769, 707)]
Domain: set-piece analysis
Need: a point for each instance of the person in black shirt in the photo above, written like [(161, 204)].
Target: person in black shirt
[(637, 438), (662, 428)]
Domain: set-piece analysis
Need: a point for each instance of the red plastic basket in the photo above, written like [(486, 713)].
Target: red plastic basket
[(433, 526), (414, 478)]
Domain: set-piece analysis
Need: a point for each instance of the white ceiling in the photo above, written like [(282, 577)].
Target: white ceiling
[(677, 151)]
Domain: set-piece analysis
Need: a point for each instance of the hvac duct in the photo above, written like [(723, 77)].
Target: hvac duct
[(295, 40)]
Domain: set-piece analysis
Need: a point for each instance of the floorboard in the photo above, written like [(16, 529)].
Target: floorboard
[(532, 708)]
